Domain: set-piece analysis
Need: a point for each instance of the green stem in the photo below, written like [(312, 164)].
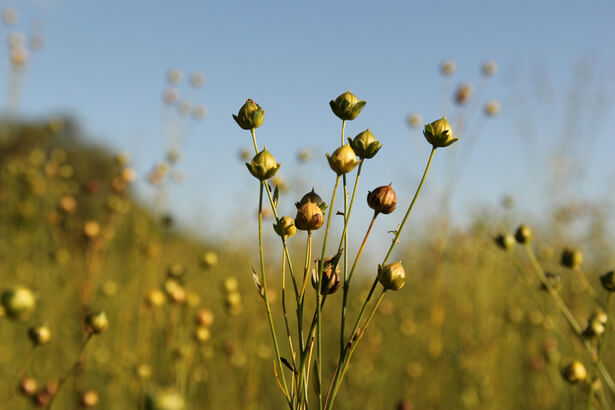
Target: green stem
[(19, 374), (344, 240), (290, 339), (265, 293)]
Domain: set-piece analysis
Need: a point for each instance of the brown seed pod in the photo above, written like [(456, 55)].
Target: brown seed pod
[(382, 199)]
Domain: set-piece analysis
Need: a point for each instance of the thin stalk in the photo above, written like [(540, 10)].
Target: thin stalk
[(344, 239), (319, 295), (290, 339), (19, 374), (586, 283), (352, 347), (70, 371), (265, 293), (306, 269)]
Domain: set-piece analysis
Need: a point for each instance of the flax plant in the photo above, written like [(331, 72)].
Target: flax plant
[(329, 271), (593, 336)]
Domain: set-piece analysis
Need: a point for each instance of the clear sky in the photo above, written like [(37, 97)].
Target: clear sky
[(106, 63)]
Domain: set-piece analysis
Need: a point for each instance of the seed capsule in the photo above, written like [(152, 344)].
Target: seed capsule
[(28, 386), (382, 199), (18, 302), (571, 258), (439, 133), (39, 335), (330, 278), (608, 281), (263, 165), (164, 400), (523, 235), (392, 276), (309, 217), (574, 372), (204, 318), (343, 160), (89, 399), (347, 106), (365, 145), (314, 198), (285, 227), (505, 241), (96, 323), (250, 115), (554, 280)]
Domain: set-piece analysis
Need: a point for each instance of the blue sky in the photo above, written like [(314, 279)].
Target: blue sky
[(105, 63)]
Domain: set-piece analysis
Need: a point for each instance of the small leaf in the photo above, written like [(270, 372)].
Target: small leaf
[(287, 364), (257, 282)]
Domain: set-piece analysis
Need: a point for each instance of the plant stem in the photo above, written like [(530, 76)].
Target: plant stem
[(290, 339), (19, 374), (265, 293), (344, 240)]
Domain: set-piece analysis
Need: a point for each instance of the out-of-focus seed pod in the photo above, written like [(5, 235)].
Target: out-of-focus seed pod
[(176, 270), (304, 155), (96, 323), (489, 68), (523, 235), (28, 386), (91, 229), (10, 16), (571, 258), (89, 399), (347, 106), (382, 199), (164, 400), (199, 112), (392, 276), (492, 108), (170, 96), (448, 67), (39, 335), (330, 278), (555, 281), (197, 79), (608, 281), (18, 302), (204, 317), (156, 298), (128, 174), (312, 197), (42, 398), (144, 371), (404, 405), (574, 372), (343, 160), (464, 93), (250, 115), (596, 325), (309, 217), (202, 334), (505, 241), (175, 76), (209, 259), (439, 133), (263, 165), (365, 145), (415, 120), (192, 299), (285, 227), (230, 284)]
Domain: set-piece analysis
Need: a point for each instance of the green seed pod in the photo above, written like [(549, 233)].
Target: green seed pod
[(164, 400), (505, 241), (343, 160), (382, 199), (347, 106), (96, 323), (439, 133), (365, 145), (523, 234), (608, 281), (39, 335), (250, 115), (18, 302), (330, 278), (314, 198), (571, 258), (285, 227), (309, 217), (574, 372), (263, 165), (555, 281), (392, 276)]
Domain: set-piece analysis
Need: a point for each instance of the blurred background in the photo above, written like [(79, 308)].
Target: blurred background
[(125, 108)]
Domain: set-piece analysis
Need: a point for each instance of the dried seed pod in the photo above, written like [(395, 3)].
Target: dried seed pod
[(330, 277), (309, 217), (382, 199)]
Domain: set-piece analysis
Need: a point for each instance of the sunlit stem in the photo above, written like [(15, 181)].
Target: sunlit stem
[(344, 240), (585, 282), (290, 339)]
